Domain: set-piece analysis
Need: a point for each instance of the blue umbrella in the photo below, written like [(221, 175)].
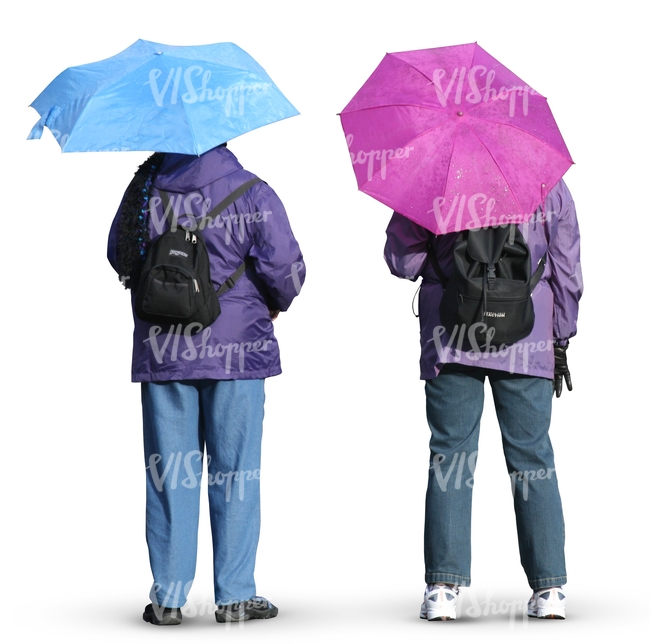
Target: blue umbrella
[(160, 98)]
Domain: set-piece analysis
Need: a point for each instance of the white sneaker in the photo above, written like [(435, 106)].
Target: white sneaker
[(548, 603), (439, 602)]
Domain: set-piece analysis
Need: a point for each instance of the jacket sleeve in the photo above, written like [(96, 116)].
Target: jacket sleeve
[(407, 247), (564, 257), (275, 251)]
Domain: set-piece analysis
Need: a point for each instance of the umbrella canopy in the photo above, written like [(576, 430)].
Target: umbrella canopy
[(160, 98), (452, 139)]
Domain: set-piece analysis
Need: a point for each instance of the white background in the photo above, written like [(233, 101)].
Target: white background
[(345, 451)]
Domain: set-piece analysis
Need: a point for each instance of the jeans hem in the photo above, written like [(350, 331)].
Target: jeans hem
[(232, 602), (169, 603), (159, 607), (447, 578), (547, 582)]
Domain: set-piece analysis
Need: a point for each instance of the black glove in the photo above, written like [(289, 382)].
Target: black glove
[(561, 370)]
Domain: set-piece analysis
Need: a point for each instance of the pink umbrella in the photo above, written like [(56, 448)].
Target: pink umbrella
[(452, 139)]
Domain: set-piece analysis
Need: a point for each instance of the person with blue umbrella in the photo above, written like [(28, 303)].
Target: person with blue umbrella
[(202, 379)]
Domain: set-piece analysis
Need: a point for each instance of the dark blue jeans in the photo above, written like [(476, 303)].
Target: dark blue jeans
[(523, 406)]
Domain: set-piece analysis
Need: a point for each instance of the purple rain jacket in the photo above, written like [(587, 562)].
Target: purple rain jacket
[(240, 344), (555, 298)]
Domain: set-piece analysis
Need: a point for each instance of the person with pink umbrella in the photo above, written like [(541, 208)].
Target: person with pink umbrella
[(484, 218)]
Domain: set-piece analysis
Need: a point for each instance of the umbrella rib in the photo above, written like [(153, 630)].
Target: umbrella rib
[(374, 107), (407, 143), (431, 129), (514, 196), (83, 111), (451, 156), (412, 66), (95, 93), (526, 132), (189, 124)]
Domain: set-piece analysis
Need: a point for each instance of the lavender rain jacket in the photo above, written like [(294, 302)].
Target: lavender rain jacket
[(555, 298), (240, 344)]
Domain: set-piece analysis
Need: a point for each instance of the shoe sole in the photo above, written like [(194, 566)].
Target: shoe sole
[(438, 618), (548, 612), (166, 621), (547, 616), (222, 618), (439, 614), (443, 618)]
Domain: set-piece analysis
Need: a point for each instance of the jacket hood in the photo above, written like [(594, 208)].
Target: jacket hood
[(185, 172)]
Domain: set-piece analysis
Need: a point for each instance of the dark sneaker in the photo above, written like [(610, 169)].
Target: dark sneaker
[(162, 616), (255, 608)]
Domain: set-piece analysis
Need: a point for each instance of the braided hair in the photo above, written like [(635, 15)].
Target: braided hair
[(133, 228)]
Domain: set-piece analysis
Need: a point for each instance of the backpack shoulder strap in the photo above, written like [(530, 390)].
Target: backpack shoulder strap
[(222, 205), (538, 273), (232, 280), (444, 280), (233, 196)]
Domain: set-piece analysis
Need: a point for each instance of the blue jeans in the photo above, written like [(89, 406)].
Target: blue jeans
[(180, 418), (523, 406)]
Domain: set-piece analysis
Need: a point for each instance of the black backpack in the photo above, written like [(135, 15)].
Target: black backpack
[(175, 284), (490, 288)]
